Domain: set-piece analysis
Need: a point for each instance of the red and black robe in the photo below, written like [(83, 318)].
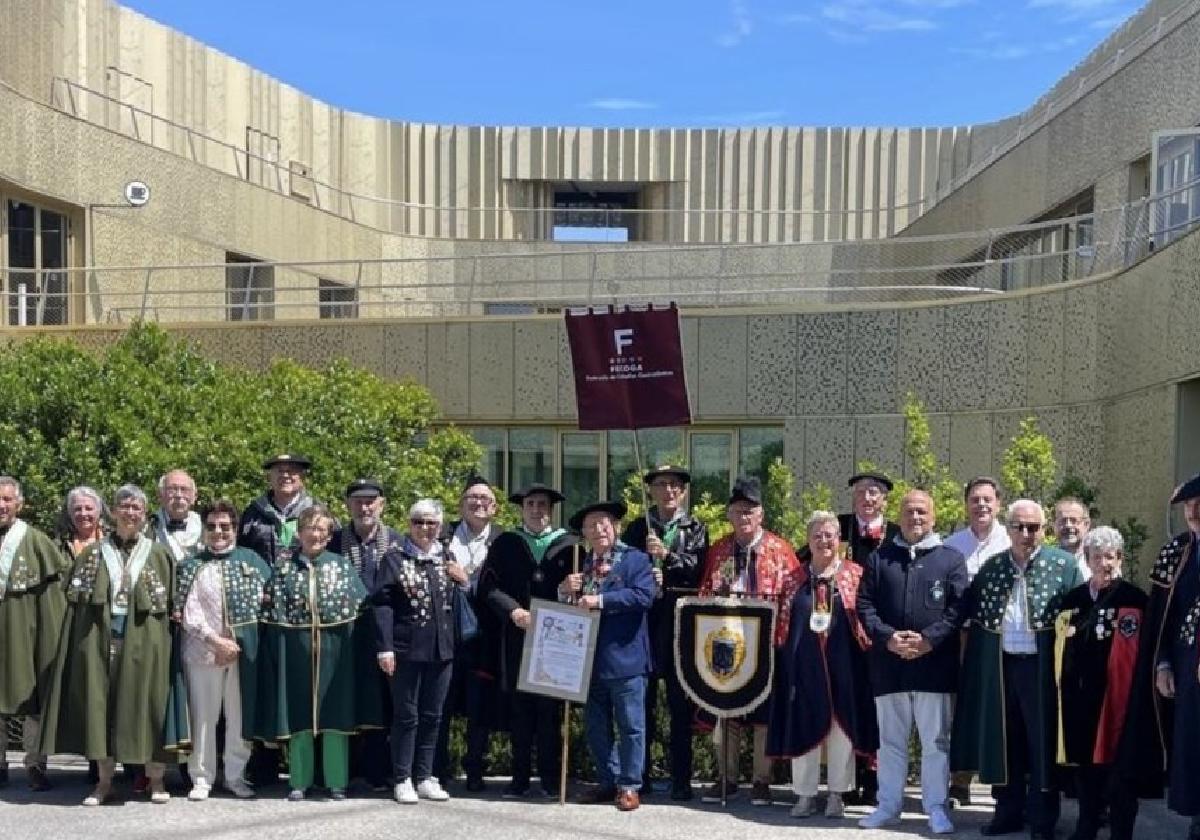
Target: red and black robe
[(1100, 648), (821, 678)]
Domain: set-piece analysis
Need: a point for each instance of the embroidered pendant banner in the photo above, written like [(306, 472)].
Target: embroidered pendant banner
[(628, 367), (723, 653)]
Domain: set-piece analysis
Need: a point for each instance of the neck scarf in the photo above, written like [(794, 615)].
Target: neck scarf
[(182, 543), (539, 543), (8, 550), (123, 574)]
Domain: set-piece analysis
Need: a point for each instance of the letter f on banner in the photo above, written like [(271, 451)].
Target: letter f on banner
[(622, 339)]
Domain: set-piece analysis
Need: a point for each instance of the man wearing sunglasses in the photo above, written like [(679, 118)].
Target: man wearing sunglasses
[(218, 592), (1006, 721)]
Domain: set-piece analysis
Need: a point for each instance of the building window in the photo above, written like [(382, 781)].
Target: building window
[(757, 449), (337, 300), (493, 443), (709, 465), (580, 470), (530, 457), (587, 215), (36, 255), (249, 289), (658, 446)]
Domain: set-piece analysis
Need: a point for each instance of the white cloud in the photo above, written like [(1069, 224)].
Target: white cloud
[(993, 51), (740, 28), (616, 103), (1111, 11), (872, 16)]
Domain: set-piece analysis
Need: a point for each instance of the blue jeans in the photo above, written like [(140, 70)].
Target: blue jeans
[(623, 700)]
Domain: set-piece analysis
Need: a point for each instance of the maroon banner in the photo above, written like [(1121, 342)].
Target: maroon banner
[(628, 369)]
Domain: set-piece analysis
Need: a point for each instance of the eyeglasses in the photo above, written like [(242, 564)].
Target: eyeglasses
[(218, 526), (424, 523), (131, 507), (667, 485), (476, 497), (1026, 527)]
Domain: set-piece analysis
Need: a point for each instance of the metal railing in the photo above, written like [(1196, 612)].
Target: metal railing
[(904, 269), (537, 222)]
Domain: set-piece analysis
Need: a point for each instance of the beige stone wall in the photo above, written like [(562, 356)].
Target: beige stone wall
[(1097, 361)]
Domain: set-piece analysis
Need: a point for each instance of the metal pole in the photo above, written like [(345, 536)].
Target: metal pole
[(145, 295), (566, 726)]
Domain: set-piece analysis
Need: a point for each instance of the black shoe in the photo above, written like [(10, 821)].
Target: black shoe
[(516, 791), (337, 795), (3, 776), (475, 784), (1042, 834), (37, 779), (547, 793), (997, 827), (681, 793)]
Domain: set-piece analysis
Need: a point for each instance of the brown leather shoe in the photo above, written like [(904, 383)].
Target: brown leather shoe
[(597, 796), (628, 800)]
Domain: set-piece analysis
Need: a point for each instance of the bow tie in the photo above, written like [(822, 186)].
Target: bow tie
[(176, 525)]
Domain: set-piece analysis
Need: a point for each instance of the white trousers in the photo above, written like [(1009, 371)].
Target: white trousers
[(31, 730), (209, 689), (932, 714), (839, 758)]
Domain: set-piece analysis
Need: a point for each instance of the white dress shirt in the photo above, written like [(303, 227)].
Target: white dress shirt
[(976, 550)]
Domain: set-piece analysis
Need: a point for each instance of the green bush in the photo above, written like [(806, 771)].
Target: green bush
[(151, 402)]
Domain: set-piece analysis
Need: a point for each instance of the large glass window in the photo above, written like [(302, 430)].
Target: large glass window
[(658, 446), (710, 464), (249, 289), (37, 246), (530, 457), (757, 448), (492, 441), (580, 470), (337, 300)]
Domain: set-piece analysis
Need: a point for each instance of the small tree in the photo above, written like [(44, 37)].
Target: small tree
[(927, 473), (1028, 468)]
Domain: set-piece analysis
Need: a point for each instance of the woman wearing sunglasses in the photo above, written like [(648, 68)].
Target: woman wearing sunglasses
[(414, 616)]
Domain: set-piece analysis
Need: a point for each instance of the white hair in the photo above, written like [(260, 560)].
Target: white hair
[(820, 517), (130, 491), (162, 479), (427, 508), (1103, 538), (1017, 504), (9, 481)]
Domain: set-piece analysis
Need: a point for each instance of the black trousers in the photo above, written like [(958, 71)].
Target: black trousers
[(478, 693), (679, 743), (1035, 800), (418, 694), (531, 717), (1097, 787)]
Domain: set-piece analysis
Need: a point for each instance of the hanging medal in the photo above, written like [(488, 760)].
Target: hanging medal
[(822, 610), (121, 599)]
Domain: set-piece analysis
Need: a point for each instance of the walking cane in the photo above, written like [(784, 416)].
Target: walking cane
[(566, 727), (724, 757)]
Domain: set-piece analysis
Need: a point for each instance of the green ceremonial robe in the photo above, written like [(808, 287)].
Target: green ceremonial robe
[(977, 742), (99, 709), (243, 578), (32, 607), (311, 665)]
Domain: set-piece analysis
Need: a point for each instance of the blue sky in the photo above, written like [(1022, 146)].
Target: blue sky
[(660, 62)]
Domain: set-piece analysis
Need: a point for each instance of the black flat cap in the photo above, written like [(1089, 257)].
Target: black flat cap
[(878, 477), (1190, 489), (666, 469), (364, 488), (537, 487), (616, 510), (287, 458), (746, 490)]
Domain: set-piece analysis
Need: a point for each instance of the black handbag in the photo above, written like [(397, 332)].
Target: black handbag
[(466, 623)]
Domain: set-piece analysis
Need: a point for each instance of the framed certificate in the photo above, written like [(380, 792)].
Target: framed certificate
[(556, 660)]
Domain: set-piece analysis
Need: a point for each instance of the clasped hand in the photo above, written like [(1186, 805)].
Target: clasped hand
[(908, 644)]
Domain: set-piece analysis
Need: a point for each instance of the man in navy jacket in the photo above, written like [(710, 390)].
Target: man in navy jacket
[(619, 582), (911, 603)]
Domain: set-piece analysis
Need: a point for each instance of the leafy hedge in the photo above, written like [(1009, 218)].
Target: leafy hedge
[(152, 402)]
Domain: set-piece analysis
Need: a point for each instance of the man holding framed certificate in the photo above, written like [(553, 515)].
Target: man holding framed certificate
[(618, 581)]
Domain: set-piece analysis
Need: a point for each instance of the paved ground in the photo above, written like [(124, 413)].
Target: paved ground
[(486, 817)]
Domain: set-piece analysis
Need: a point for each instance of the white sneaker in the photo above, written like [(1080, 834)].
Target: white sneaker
[(835, 809), (805, 806), (878, 819), (939, 822), (405, 793), (432, 789), (199, 792)]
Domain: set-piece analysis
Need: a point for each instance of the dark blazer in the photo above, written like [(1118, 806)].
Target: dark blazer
[(510, 578), (623, 640), (925, 594), (258, 524), (416, 632), (860, 546), (367, 563), (681, 576)]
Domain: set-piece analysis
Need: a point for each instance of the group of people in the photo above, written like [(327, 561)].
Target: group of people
[(348, 650)]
